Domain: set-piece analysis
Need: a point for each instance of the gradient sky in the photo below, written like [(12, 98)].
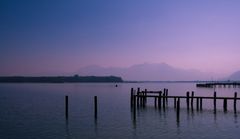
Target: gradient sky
[(53, 36)]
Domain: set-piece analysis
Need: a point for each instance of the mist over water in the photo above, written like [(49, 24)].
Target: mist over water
[(37, 111)]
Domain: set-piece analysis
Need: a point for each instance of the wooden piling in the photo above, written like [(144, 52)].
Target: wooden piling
[(66, 107), (164, 100), (201, 103), (145, 97), (166, 95), (214, 101), (235, 102), (138, 89), (187, 100), (95, 107), (159, 100), (225, 104), (175, 102), (192, 99)]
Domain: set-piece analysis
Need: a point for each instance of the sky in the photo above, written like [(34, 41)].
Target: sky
[(55, 36)]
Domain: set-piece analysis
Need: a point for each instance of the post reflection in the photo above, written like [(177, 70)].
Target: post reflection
[(68, 135), (184, 115)]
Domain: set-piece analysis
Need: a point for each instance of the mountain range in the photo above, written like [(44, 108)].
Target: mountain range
[(150, 72), (235, 76)]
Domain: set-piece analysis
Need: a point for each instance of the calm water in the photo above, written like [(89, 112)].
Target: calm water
[(36, 111)]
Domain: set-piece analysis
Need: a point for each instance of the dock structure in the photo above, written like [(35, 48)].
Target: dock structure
[(220, 84), (139, 99)]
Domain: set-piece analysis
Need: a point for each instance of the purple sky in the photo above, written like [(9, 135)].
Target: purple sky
[(47, 36)]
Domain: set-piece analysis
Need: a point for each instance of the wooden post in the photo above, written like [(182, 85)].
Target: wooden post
[(235, 102), (66, 107), (138, 89), (225, 104), (214, 101), (95, 107), (192, 100), (187, 100), (201, 103), (159, 100), (145, 97), (178, 109), (175, 102), (166, 95)]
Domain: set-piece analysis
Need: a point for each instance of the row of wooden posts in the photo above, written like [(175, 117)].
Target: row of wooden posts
[(95, 107), (139, 99)]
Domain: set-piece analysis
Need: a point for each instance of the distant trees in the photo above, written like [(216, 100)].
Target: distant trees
[(60, 79)]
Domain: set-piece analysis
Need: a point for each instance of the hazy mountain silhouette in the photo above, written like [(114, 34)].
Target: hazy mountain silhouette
[(234, 76), (146, 72)]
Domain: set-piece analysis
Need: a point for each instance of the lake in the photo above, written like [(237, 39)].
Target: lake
[(37, 111)]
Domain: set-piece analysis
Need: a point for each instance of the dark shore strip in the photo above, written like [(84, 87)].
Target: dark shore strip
[(60, 79)]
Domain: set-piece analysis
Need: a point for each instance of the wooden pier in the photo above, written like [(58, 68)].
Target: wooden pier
[(139, 99), (219, 84)]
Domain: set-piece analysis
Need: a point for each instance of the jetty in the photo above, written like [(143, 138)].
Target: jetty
[(220, 84), (139, 99)]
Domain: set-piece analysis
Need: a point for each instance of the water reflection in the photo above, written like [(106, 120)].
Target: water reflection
[(68, 135), (117, 121), (186, 116), (96, 125), (235, 118)]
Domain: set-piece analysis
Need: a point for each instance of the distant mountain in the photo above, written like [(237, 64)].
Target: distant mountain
[(146, 72), (235, 76)]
